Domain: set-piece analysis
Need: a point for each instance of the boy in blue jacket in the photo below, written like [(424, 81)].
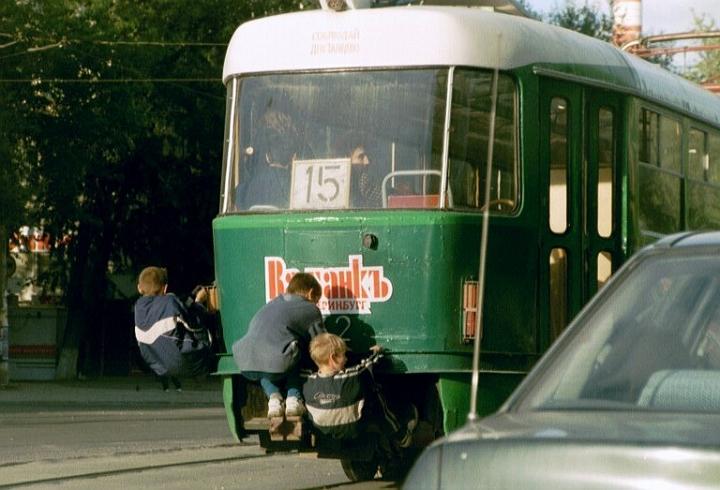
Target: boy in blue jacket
[(170, 341), (278, 335)]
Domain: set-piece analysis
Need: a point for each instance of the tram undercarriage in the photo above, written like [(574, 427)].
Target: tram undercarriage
[(361, 459)]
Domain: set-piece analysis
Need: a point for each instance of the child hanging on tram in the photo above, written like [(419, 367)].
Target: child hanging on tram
[(341, 402), (273, 348), (171, 339)]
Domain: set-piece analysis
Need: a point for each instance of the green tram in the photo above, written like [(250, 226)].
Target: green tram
[(356, 148)]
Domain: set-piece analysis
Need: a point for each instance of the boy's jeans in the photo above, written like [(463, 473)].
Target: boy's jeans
[(270, 381)]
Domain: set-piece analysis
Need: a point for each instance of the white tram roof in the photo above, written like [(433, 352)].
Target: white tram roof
[(416, 36)]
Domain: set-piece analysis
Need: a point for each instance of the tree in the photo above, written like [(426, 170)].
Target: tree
[(122, 109), (707, 69), (528, 8), (584, 19)]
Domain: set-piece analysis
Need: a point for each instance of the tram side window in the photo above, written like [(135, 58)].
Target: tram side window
[(606, 157), (670, 144), (660, 176), (648, 137), (558, 212), (703, 188), (697, 155), (230, 177), (714, 158), (470, 118)]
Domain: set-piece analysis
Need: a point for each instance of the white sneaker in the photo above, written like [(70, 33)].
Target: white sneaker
[(294, 407), (275, 406)]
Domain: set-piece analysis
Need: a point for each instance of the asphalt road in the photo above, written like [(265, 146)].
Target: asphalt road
[(116, 438)]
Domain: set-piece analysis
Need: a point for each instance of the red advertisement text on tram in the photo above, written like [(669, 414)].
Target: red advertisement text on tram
[(347, 289)]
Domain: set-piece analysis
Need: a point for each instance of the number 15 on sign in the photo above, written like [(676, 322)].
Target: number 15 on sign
[(320, 184)]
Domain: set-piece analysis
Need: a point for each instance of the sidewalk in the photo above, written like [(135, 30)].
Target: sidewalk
[(112, 392)]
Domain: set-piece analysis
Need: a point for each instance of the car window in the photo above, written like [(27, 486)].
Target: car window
[(652, 343)]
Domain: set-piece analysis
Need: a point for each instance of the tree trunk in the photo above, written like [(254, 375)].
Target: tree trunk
[(4, 362), (70, 346)]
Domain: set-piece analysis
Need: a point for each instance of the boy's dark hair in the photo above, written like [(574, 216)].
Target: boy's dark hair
[(152, 280), (302, 282)]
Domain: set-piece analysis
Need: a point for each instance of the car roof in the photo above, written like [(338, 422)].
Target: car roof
[(689, 239)]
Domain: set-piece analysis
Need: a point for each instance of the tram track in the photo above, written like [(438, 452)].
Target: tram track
[(178, 462)]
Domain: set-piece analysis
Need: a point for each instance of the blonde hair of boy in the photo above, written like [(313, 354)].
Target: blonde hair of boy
[(152, 281), (324, 346)]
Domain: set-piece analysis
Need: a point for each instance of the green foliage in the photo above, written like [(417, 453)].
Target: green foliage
[(528, 8), (122, 110), (112, 117), (708, 68), (584, 19)]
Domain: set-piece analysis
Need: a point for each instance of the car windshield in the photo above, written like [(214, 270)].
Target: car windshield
[(367, 139), (652, 343)]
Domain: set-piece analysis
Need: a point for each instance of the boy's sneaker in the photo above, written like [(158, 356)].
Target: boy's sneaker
[(275, 406), (413, 418), (294, 407)]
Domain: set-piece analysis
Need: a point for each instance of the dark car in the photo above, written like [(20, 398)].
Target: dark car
[(628, 397)]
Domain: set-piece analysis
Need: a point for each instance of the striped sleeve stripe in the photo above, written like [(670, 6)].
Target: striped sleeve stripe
[(333, 417), (159, 328)]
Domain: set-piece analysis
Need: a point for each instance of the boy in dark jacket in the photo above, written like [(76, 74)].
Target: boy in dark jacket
[(276, 339), (341, 402), (170, 341)]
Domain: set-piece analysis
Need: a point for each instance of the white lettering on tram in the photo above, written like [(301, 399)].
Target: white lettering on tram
[(335, 42), (346, 289)]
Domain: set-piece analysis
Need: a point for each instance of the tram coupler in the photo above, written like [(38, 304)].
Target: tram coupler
[(284, 434), (286, 428)]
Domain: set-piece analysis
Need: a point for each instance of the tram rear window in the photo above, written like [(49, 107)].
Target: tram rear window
[(364, 139)]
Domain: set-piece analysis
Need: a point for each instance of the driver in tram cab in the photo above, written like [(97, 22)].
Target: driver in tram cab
[(268, 164)]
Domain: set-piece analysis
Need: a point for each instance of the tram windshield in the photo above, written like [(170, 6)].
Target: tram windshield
[(366, 139)]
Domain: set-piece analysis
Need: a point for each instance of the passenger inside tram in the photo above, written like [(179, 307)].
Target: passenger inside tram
[(268, 164)]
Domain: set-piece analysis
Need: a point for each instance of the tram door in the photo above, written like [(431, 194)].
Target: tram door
[(580, 127)]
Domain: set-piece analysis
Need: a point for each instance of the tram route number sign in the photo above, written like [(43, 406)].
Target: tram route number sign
[(320, 184)]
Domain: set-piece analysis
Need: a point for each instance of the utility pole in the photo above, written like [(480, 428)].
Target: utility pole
[(627, 21)]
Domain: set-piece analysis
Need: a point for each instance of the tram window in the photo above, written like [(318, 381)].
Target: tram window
[(697, 155), (606, 157), (334, 140), (670, 144), (229, 159), (558, 304), (702, 190), (648, 136), (558, 213), (604, 268), (659, 174), (470, 117), (659, 200), (714, 158)]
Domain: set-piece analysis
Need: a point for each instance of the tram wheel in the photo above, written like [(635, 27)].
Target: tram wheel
[(359, 470)]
